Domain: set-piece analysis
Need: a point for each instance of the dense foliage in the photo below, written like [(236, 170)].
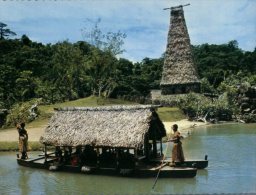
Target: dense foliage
[(67, 71), (199, 107), (216, 63)]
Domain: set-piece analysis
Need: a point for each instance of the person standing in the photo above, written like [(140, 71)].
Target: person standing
[(177, 151), (23, 140)]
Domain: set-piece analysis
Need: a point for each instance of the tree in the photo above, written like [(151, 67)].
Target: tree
[(101, 61), (5, 32), (217, 62), (107, 42), (68, 71), (8, 75), (26, 86), (25, 40), (124, 72), (151, 71)]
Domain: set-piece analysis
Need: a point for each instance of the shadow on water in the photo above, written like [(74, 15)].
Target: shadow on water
[(175, 186), (24, 186), (232, 167)]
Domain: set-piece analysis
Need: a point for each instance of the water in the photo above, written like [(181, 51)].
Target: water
[(232, 169)]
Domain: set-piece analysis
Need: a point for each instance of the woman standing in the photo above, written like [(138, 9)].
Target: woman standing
[(23, 140), (177, 151)]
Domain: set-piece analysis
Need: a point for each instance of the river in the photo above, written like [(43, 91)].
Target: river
[(232, 169)]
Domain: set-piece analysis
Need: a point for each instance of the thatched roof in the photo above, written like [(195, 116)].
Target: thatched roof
[(114, 126), (178, 64)]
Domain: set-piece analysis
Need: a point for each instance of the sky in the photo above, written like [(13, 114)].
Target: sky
[(144, 22)]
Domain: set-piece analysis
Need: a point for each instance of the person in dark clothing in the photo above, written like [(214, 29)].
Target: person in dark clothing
[(177, 151), (58, 154), (23, 140)]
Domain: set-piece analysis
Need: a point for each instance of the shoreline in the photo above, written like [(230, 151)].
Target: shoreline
[(184, 126), (10, 135)]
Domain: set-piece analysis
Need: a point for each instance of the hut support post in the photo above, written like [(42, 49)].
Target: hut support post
[(98, 154), (135, 153), (45, 153), (117, 159), (146, 148), (161, 145), (154, 145), (154, 148)]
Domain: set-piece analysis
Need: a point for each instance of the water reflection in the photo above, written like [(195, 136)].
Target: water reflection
[(232, 160), (24, 182), (172, 186)]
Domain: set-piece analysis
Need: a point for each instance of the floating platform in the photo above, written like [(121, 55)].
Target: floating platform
[(143, 170), (194, 163)]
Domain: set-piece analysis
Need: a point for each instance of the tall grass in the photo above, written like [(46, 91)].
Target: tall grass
[(166, 114), (14, 146), (170, 114), (46, 111)]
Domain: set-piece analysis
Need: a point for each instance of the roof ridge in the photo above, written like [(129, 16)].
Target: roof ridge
[(108, 108)]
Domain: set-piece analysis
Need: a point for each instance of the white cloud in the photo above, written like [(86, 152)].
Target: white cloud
[(144, 21)]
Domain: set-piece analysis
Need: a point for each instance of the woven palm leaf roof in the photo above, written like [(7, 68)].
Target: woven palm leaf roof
[(179, 67), (114, 126)]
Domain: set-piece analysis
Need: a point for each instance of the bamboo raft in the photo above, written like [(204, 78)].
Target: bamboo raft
[(195, 163), (143, 170)]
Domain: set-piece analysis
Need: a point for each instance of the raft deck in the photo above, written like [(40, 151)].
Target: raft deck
[(140, 171), (194, 163)]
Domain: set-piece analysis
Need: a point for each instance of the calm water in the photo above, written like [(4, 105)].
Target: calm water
[(232, 169)]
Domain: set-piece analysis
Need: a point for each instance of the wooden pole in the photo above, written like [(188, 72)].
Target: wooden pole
[(162, 164), (45, 153), (175, 7), (161, 146), (154, 148)]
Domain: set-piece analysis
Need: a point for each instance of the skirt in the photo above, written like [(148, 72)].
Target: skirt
[(23, 144), (177, 153)]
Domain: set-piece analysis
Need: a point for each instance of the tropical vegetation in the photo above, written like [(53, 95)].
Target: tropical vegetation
[(66, 71)]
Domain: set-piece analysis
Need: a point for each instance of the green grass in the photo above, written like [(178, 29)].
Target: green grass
[(91, 101), (14, 146), (46, 111), (166, 114), (170, 114)]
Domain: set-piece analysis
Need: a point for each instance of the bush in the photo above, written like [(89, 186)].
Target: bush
[(197, 106), (14, 146), (249, 118), (23, 112)]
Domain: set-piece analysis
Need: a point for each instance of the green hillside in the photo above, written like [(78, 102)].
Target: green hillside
[(91, 101), (46, 111)]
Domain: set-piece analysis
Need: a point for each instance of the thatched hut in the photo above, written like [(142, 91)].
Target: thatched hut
[(112, 126), (179, 72)]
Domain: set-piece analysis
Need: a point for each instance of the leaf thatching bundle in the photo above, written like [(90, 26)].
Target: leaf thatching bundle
[(178, 65), (114, 126)]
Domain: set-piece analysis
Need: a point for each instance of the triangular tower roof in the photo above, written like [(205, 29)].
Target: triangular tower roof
[(178, 64)]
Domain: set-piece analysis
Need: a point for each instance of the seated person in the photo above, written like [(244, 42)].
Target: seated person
[(88, 156), (107, 158), (126, 160), (58, 153)]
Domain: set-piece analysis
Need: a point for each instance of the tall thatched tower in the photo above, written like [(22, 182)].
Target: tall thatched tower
[(179, 72)]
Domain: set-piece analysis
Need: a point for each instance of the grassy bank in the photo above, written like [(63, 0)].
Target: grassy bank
[(14, 146), (166, 114), (170, 114), (46, 111), (91, 101)]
